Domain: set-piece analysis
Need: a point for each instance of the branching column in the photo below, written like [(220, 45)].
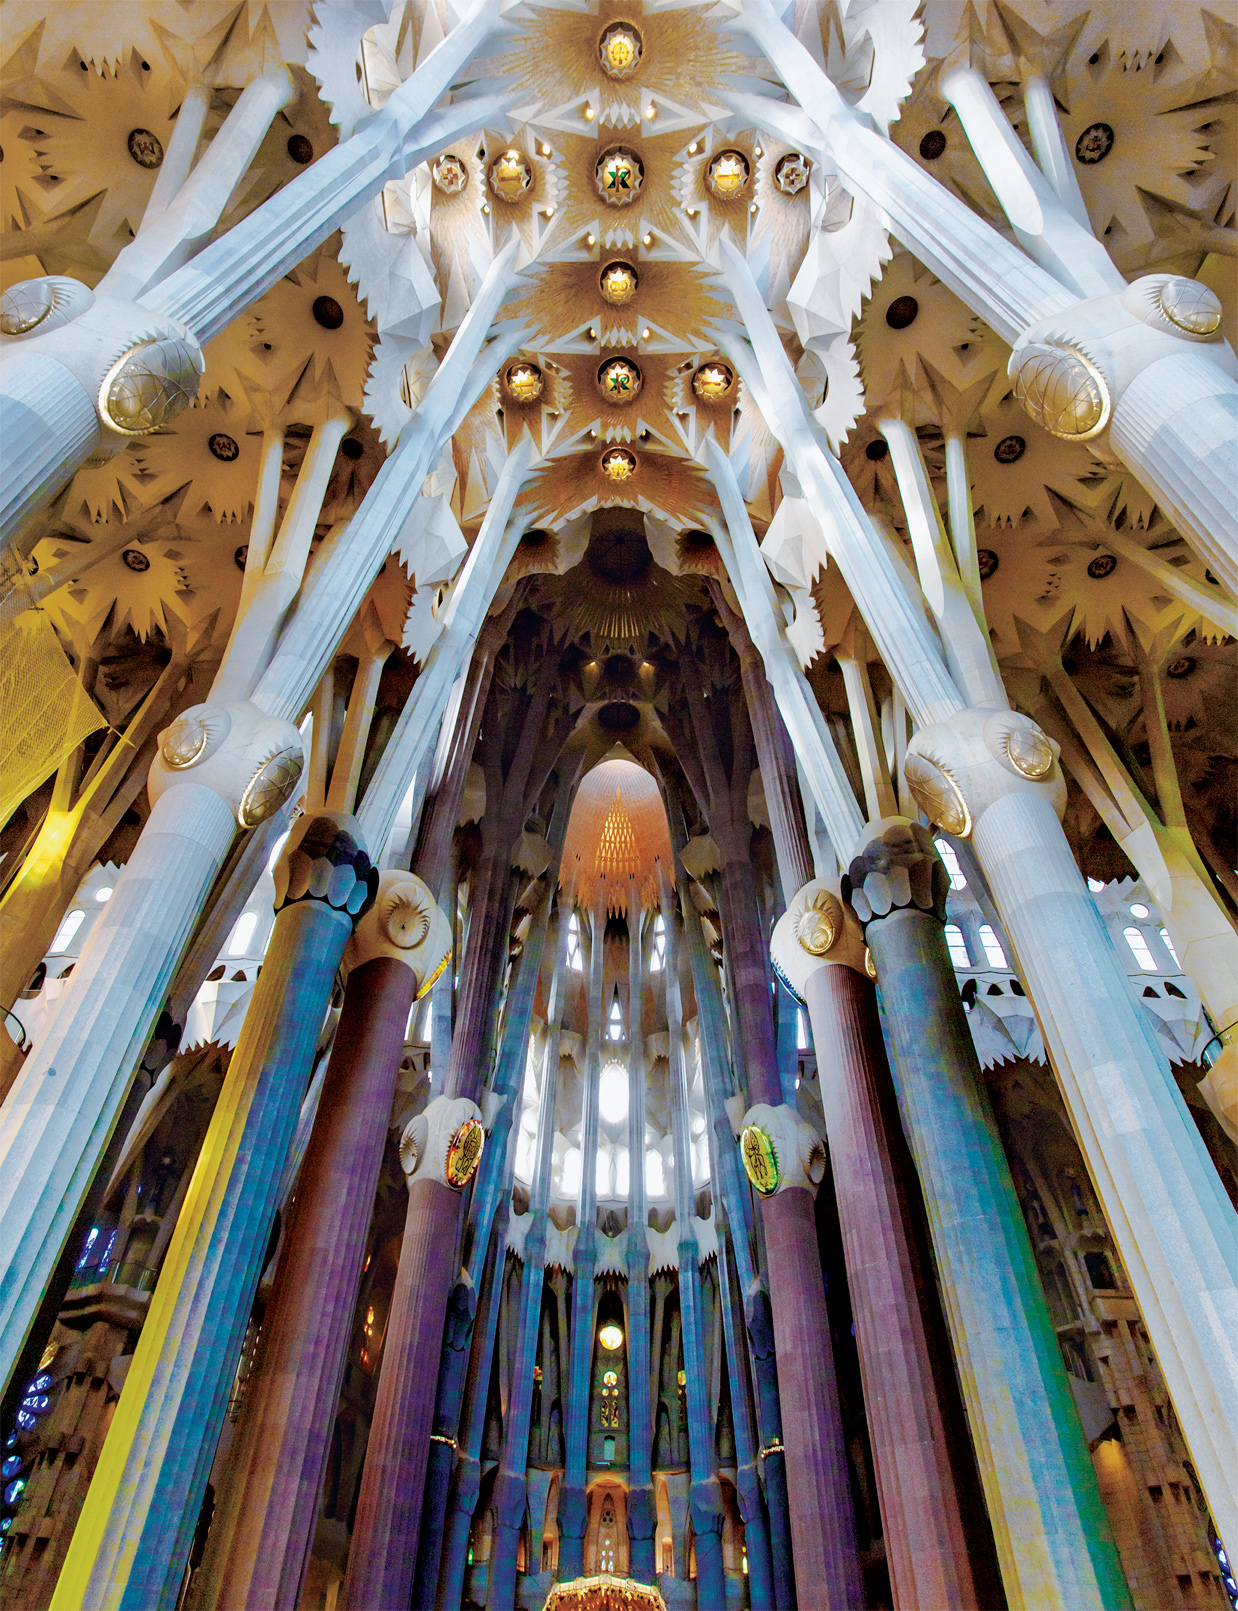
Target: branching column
[(642, 1512), (135, 1528), (264, 1520), (823, 956), (705, 1504), (1049, 1525), (573, 1505)]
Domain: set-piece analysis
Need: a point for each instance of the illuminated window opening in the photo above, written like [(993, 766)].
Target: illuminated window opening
[(657, 956), (1169, 946), (801, 1030), (1139, 950), (68, 928), (992, 947), (570, 1177), (613, 1093), (242, 934), (957, 946), (655, 1174), (575, 957), (950, 857), (614, 1020)]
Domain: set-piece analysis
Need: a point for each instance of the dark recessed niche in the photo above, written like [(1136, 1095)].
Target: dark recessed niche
[(300, 149), (932, 145), (328, 312), (618, 717), (902, 312), (877, 450), (351, 448)]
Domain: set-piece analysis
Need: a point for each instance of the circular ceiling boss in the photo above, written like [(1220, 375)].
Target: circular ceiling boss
[(523, 382), (619, 175), (727, 175), (792, 173), (620, 49), (618, 464), (619, 380), (510, 175), (714, 381), (450, 173), (618, 282)]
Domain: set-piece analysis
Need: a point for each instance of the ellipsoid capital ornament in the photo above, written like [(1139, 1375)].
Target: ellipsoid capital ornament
[(442, 1143), (251, 760), (779, 1151), (1071, 368), (406, 925), (324, 859), (956, 769), (817, 930)]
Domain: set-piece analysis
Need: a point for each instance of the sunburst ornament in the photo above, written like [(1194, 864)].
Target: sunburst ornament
[(714, 381), (620, 175), (618, 464), (619, 381), (727, 175), (450, 174), (620, 49), (618, 283), (523, 382), (510, 175)]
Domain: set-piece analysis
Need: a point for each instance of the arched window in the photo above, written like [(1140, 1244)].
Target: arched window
[(569, 1185), (614, 1020), (602, 1174), (69, 926), (655, 1174), (242, 934), (1139, 949), (657, 952), (1169, 946), (613, 1092), (947, 853), (957, 946), (992, 947), (608, 1527), (575, 957)]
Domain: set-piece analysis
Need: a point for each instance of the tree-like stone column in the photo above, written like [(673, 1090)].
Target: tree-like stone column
[(440, 1150), (1049, 1525), (135, 1529), (992, 776), (818, 948), (219, 766), (264, 1518)]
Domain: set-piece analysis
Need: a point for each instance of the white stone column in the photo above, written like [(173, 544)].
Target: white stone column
[(471, 595), (46, 411), (1178, 432), (810, 736), (218, 766), (992, 776), (342, 575)]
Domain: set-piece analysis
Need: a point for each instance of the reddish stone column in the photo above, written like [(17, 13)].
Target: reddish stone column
[(383, 1556), (925, 1542), (264, 1522)]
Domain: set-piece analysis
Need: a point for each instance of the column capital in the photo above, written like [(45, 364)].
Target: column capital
[(140, 368), (779, 1151), (323, 860), (957, 768), (817, 930), (1071, 367), (444, 1143), (406, 925), (252, 761), (896, 868)]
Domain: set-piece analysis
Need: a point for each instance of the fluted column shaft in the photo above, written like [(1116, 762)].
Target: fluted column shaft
[(291, 1400), (827, 1568), (383, 1555), (135, 1528), (1050, 1529), (925, 1544), (573, 1512), (642, 1511)]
